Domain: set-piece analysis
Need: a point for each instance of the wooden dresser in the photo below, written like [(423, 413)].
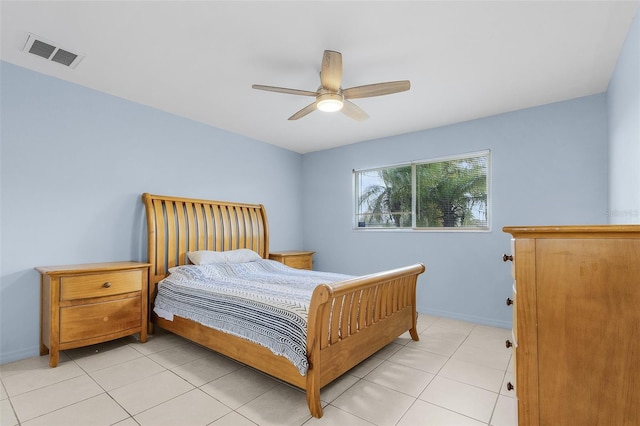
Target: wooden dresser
[(294, 258), (576, 324), (85, 304)]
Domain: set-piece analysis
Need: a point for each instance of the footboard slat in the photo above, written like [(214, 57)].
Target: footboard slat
[(336, 313), (369, 307), (377, 304), (387, 299), (393, 299), (345, 315), (353, 317)]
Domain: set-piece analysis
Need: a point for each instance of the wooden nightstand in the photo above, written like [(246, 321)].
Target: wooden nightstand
[(85, 304), (294, 258)]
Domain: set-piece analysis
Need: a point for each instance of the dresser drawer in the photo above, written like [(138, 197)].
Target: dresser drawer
[(100, 284), (99, 319)]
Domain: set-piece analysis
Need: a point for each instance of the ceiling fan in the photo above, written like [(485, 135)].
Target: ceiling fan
[(330, 96)]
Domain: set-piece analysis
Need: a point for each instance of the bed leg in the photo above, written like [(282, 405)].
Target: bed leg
[(313, 401), (413, 331), (313, 391), (414, 334)]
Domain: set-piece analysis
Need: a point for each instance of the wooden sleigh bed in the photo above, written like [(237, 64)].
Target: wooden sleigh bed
[(348, 321)]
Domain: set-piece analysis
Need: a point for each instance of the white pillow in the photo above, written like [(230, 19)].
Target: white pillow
[(206, 257)]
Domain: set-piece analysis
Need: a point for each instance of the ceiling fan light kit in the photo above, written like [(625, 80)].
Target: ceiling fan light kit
[(330, 96), (329, 102)]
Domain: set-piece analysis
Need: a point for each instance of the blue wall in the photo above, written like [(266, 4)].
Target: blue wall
[(548, 166), (623, 100), (74, 164)]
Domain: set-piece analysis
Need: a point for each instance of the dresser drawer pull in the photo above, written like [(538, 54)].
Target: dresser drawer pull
[(509, 386), (509, 301), (106, 285), (508, 343), (507, 257)]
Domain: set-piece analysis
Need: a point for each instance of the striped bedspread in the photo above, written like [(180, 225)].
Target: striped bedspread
[(264, 301)]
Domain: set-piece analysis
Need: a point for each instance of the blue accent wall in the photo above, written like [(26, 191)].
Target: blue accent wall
[(74, 163), (548, 167)]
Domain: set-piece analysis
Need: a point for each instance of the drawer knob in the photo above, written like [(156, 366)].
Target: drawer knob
[(508, 343), (509, 386), (106, 285), (507, 257), (509, 301)]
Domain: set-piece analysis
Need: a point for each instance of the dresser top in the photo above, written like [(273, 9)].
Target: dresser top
[(574, 231)]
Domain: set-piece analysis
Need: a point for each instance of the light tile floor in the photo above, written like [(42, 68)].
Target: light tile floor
[(455, 375)]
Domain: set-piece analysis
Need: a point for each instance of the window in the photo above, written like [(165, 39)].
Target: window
[(449, 193)]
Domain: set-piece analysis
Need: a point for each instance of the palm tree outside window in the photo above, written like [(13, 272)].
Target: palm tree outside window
[(447, 193)]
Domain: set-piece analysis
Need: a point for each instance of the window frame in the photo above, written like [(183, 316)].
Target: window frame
[(413, 164)]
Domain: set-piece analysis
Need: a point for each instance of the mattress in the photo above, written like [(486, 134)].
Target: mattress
[(264, 301)]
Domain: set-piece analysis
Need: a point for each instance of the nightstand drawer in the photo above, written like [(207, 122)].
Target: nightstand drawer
[(99, 319), (100, 284), (299, 262)]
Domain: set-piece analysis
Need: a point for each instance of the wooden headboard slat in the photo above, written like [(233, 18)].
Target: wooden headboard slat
[(160, 237), (248, 228), (193, 242), (255, 230), (182, 233), (226, 229), (210, 229), (200, 227), (217, 224), (171, 230), (235, 235)]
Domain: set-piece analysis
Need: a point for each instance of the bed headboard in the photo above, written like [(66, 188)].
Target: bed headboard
[(178, 225)]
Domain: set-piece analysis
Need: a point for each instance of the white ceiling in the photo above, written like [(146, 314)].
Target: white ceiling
[(198, 60)]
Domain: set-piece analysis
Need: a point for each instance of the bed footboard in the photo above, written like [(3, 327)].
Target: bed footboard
[(351, 320)]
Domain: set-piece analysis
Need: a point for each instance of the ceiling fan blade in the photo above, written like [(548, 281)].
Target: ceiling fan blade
[(331, 72), (284, 90), (377, 89), (304, 111), (352, 110)]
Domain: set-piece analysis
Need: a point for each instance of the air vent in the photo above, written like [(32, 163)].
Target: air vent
[(51, 52)]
